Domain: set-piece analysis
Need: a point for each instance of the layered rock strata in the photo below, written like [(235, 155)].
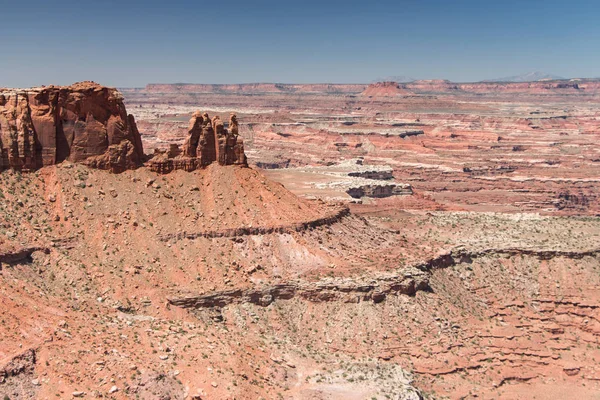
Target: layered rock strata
[(85, 123), (381, 89), (208, 141), (407, 281), (336, 289), (341, 213)]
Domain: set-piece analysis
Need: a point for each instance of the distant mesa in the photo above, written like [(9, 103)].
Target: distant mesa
[(208, 142), (386, 89), (534, 76), (256, 88), (85, 123), (443, 86)]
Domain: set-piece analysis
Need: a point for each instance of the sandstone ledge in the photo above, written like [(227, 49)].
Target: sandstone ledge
[(247, 231), (408, 282)]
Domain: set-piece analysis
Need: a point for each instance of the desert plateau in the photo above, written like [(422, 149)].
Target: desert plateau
[(399, 241), (317, 200)]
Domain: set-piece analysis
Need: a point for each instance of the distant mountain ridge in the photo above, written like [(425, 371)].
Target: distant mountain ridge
[(527, 77)]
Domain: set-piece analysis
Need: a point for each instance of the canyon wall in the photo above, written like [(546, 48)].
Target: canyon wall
[(85, 123), (591, 86)]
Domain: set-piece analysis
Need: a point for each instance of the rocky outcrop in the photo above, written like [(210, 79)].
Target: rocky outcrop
[(17, 255), (407, 281), (378, 174), (235, 145), (274, 163), (490, 170), (85, 123), (23, 363), (221, 139), (341, 213), (334, 289), (380, 191), (17, 376), (208, 141), (201, 141)]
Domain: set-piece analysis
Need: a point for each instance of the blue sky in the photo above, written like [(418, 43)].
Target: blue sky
[(131, 43)]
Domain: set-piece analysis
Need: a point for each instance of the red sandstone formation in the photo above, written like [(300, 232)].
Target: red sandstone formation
[(201, 142), (234, 144), (85, 122), (386, 89), (208, 141)]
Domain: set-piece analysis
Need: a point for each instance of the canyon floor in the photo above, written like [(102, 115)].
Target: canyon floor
[(438, 245)]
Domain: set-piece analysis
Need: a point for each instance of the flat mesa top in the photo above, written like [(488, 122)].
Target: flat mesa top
[(78, 86)]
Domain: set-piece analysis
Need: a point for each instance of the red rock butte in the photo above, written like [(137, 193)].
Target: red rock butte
[(84, 122), (208, 141), (386, 89)]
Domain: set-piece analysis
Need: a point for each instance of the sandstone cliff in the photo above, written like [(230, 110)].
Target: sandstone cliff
[(84, 122), (208, 141)]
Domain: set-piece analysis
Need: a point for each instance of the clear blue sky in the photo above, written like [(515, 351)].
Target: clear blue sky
[(131, 43)]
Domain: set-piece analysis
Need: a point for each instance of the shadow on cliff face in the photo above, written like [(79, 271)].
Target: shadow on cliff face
[(84, 122)]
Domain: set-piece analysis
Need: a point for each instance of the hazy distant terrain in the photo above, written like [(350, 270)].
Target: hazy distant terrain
[(527, 77)]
